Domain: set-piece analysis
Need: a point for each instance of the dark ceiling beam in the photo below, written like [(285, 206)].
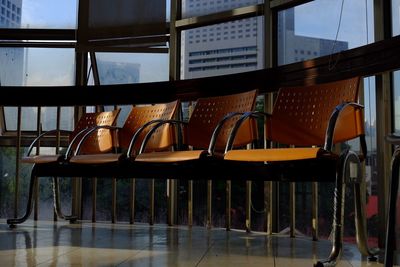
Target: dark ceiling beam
[(363, 61)]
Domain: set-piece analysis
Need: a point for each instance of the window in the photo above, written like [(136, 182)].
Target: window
[(213, 7), (43, 14), (297, 28), (119, 68), (36, 67), (300, 38)]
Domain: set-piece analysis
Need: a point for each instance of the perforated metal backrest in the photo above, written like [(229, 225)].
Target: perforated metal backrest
[(101, 141), (209, 111), (301, 114), (139, 115)]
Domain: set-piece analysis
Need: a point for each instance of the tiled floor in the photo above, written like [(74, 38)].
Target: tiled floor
[(61, 244)]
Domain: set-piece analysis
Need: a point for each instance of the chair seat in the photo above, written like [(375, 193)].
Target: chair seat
[(96, 158), (277, 154), (38, 159), (176, 156)]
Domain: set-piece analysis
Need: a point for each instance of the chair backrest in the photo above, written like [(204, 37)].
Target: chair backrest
[(102, 141), (209, 111), (139, 115), (301, 114)]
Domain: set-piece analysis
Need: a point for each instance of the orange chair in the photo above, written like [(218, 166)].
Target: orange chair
[(312, 118), (101, 142), (129, 138), (207, 114), (187, 163), (139, 121)]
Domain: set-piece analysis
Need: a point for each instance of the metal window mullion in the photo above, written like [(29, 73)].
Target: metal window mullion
[(384, 115), (220, 17)]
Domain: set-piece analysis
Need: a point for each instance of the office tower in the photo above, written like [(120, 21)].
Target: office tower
[(222, 48), (235, 46), (11, 59)]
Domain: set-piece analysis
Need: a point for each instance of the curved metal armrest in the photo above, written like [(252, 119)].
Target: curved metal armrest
[(154, 129), (136, 135), (393, 138), (218, 128), (73, 141), (330, 131), (88, 132), (245, 116), (34, 142)]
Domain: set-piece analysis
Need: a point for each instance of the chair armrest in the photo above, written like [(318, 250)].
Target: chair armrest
[(393, 138), (218, 128), (88, 132), (37, 139), (73, 141), (153, 130), (330, 130), (245, 116)]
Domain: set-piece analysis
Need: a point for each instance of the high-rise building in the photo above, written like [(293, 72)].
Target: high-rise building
[(12, 59), (10, 14), (223, 48), (294, 48), (235, 46)]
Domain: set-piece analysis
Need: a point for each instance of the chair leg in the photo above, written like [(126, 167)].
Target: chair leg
[(57, 206), (354, 174), (391, 220), (360, 222), (338, 217), (29, 207)]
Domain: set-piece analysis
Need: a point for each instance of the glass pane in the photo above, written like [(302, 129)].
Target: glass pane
[(192, 8), (122, 68), (38, 14), (396, 17), (49, 118), (308, 31), (35, 67), (224, 48)]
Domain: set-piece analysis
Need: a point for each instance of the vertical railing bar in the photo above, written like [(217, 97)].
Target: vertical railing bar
[(268, 185), (114, 200), (58, 144), (292, 207), (151, 213), (170, 208), (268, 206), (228, 192), (94, 198), (36, 194), (248, 202), (209, 204), (248, 206), (314, 225), (17, 155), (132, 200), (190, 203)]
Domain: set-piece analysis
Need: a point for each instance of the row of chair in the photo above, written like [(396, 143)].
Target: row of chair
[(310, 120)]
